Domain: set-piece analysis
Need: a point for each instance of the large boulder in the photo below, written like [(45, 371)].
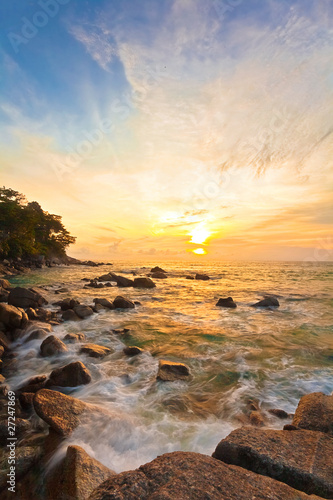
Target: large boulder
[(268, 302), (72, 338), (315, 412), (104, 302), (68, 303), (5, 284), (52, 346), (83, 311), (71, 375), (143, 283), (25, 297), (12, 317), (37, 334), (70, 315), (170, 371), (33, 385), (192, 476), (122, 303), (76, 476), (4, 294), (4, 341), (228, 302), (95, 350), (203, 277), (120, 280), (302, 459)]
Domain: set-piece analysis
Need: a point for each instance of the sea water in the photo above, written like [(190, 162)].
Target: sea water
[(272, 355)]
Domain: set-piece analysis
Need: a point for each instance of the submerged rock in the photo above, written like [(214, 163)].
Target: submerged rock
[(132, 351), (37, 334), (203, 277), (268, 302), (76, 476), (143, 283), (95, 350), (302, 459), (170, 371), (52, 346), (228, 302), (278, 413), (192, 476), (24, 297), (315, 412), (71, 375), (122, 303)]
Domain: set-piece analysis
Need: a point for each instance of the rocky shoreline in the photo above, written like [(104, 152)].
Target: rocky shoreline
[(252, 462)]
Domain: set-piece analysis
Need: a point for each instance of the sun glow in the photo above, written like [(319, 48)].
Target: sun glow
[(199, 251), (200, 234)]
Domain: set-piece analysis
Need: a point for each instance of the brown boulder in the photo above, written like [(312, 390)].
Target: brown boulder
[(74, 337), (302, 459), (34, 384), (71, 375), (40, 333), (25, 297), (95, 350), (158, 276), (192, 476), (83, 311), (76, 476), (4, 341), (157, 269), (315, 412), (143, 283), (202, 277), (5, 284), (228, 302), (52, 346), (104, 303), (122, 303), (12, 317), (268, 302), (68, 304), (170, 371), (132, 351), (70, 315)]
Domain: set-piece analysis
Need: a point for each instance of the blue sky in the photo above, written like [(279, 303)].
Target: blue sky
[(161, 116)]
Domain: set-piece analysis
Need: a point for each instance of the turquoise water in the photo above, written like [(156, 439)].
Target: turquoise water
[(275, 356)]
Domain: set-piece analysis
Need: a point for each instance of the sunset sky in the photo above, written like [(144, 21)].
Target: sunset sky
[(160, 127)]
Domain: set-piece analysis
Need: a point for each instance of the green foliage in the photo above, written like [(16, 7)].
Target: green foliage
[(26, 230)]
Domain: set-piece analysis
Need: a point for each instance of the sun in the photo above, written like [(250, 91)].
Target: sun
[(199, 234), (199, 251)]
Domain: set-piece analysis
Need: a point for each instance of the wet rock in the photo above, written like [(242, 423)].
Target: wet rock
[(25, 458), (301, 459), (158, 276), (132, 351), (228, 302), (70, 315), (192, 476), (68, 303), (190, 277), (315, 412), (203, 277), (2, 350), (4, 294), (278, 413), (21, 426), (104, 302), (95, 351), (31, 313), (143, 283), (34, 384), (290, 427), (44, 315), (268, 302), (76, 476), (170, 371), (122, 303), (26, 400), (157, 269), (5, 284), (12, 317), (25, 297), (123, 282), (83, 311), (52, 346), (72, 338), (37, 334), (256, 419), (71, 375), (4, 341)]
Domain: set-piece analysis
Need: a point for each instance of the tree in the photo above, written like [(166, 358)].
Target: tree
[(26, 230)]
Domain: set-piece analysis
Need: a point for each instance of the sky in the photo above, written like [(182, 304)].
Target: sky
[(173, 129)]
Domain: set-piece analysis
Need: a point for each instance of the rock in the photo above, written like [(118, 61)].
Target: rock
[(37, 334), (107, 277), (5, 284), (190, 277), (25, 458), (203, 277), (83, 311), (143, 283), (123, 282), (290, 427), (256, 419), (301, 459), (95, 351), (21, 426), (192, 476), (70, 315), (170, 371), (122, 303), (31, 313), (76, 476), (158, 276), (278, 413), (228, 302), (26, 400), (52, 346), (105, 303), (71, 338), (315, 412), (24, 297), (68, 304), (157, 269), (4, 294), (2, 350), (98, 308), (71, 375), (268, 302), (12, 317), (34, 384), (43, 315), (132, 351), (4, 341)]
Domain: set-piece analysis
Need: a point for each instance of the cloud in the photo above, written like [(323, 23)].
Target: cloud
[(97, 42)]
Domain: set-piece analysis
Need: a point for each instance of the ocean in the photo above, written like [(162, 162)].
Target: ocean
[(273, 356)]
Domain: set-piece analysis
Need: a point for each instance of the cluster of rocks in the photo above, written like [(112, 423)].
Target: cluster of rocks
[(267, 302), (121, 281)]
